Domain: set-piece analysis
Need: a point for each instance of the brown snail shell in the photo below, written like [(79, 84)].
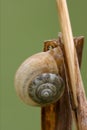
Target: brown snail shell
[(37, 81)]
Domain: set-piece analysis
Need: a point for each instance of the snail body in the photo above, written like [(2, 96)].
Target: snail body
[(37, 81)]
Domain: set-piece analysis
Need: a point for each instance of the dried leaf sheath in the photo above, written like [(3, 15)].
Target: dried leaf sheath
[(57, 116), (81, 111)]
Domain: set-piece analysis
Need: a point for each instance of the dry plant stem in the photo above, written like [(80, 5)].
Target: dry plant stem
[(68, 45), (58, 116), (49, 117), (81, 111), (73, 74), (75, 80)]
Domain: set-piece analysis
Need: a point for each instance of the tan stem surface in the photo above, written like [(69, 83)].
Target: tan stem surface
[(81, 111), (68, 45), (78, 98), (58, 116)]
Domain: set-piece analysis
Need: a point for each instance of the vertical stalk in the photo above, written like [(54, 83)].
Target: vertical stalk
[(68, 46), (58, 116), (78, 98)]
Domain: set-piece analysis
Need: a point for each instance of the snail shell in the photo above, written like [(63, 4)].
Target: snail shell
[(37, 81)]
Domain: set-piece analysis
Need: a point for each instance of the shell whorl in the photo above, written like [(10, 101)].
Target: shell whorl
[(46, 88)]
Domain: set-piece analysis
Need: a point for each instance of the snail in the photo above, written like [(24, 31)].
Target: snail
[(37, 81)]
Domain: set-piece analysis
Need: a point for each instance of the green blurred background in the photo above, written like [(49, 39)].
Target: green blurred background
[(24, 25)]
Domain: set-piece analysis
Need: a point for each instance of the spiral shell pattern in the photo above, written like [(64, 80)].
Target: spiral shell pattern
[(46, 88)]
